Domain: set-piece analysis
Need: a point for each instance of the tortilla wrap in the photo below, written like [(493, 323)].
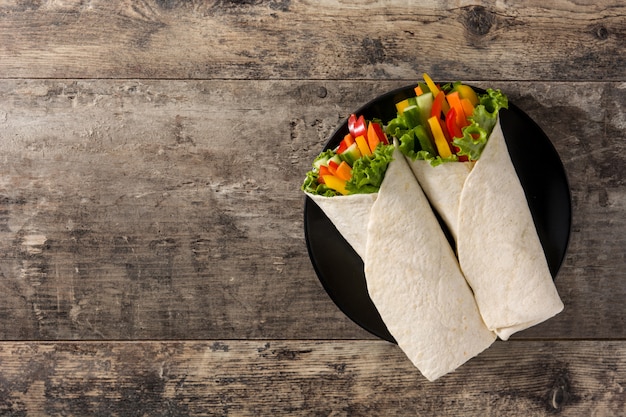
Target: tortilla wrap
[(511, 280), (414, 279), (497, 243), (443, 185), (349, 214)]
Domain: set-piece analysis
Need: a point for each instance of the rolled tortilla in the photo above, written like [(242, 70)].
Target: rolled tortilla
[(415, 282), (349, 214), (443, 185), (498, 247), (497, 243)]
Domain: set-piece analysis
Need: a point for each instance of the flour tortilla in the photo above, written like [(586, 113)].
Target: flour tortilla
[(349, 214), (499, 251), (443, 185), (415, 282)]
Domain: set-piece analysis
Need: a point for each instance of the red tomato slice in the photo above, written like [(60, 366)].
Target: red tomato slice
[(357, 125)]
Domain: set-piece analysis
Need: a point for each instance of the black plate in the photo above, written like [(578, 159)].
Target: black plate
[(340, 269)]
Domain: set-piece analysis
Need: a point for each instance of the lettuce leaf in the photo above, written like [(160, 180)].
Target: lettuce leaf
[(310, 184), (368, 172), (413, 141), (482, 121)]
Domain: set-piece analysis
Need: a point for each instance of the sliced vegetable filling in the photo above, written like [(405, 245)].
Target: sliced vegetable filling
[(445, 123), (356, 166)]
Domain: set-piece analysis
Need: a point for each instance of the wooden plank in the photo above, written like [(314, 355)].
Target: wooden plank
[(171, 209), (268, 377), (276, 39)]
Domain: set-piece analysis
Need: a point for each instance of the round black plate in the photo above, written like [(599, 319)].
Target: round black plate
[(340, 269)]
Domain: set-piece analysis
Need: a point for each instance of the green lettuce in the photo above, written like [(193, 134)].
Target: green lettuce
[(310, 184), (368, 172), (481, 124), (415, 141)]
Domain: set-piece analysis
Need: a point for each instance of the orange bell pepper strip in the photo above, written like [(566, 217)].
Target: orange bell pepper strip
[(381, 133), (343, 171), (375, 135), (332, 167), (465, 91), (372, 137), (323, 172), (345, 143), (468, 108), (455, 102)]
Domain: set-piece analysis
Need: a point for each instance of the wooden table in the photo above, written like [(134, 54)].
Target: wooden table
[(152, 254)]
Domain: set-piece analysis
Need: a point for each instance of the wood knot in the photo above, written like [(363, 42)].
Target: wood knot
[(560, 392), (600, 32), (478, 20)]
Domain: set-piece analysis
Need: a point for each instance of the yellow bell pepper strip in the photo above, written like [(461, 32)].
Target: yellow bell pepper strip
[(401, 105), (336, 184), (435, 90), (431, 85), (465, 91), (440, 140), (455, 102), (343, 171), (363, 146)]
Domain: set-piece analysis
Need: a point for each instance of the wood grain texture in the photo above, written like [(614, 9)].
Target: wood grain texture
[(152, 256), (292, 378), (283, 39), (139, 209)]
